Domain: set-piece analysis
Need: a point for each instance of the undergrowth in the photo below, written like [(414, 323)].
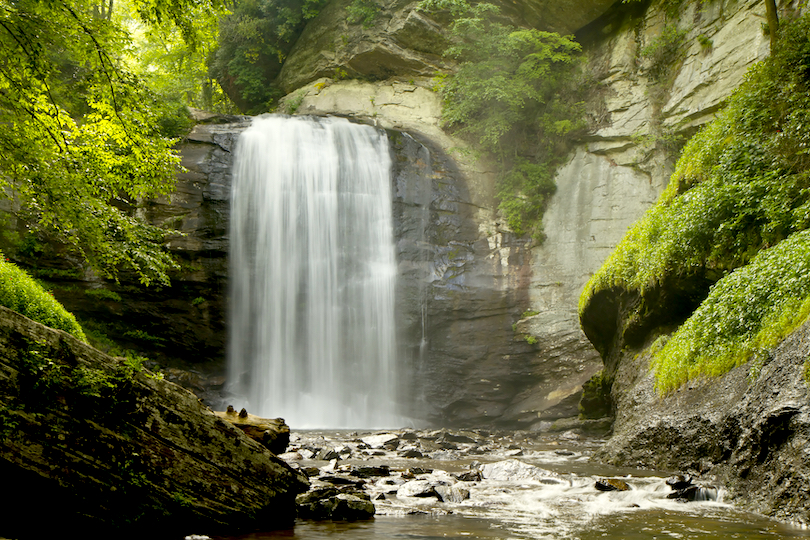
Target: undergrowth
[(515, 96), (746, 314), (21, 293), (742, 185)]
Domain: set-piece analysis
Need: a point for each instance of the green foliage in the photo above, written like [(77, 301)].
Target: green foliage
[(705, 42), (362, 12), (176, 69), (80, 141), (103, 294), (742, 185), (513, 95), (50, 372), (21, 293), (663, 51), (254, 40), (746, 314), (197, 301), (142, 335)]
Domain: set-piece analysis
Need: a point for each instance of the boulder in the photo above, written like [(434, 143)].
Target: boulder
[(417, 488), (611, 484), (514, 470), (273, 433), (452, 494), (113, 450), (328, 503), (380, 440)]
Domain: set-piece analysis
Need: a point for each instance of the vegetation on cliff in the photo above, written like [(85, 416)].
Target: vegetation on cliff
[(514, 96), (21, 293), (741, 186), (253, 42)]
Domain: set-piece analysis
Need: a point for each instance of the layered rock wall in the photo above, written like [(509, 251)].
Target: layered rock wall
[(114, 450)]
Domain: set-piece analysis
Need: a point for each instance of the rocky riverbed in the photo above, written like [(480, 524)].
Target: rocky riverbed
[(423, 484)]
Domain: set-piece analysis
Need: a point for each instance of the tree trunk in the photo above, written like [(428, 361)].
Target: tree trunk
[(773, 21)]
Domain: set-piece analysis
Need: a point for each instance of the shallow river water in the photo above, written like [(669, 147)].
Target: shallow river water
[(543, 487)]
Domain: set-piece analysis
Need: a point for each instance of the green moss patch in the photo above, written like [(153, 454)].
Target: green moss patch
[(740, 188), (20, 292), (746, 314)]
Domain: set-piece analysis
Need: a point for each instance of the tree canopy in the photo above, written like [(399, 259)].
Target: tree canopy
[(81, 142)]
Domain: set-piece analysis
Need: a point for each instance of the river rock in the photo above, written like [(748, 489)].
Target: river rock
[(327, 454), (110, 449), (514, 470), (274, 433), (611, 484), (381, 440), (330, 504), (452, 494), (417, 488)]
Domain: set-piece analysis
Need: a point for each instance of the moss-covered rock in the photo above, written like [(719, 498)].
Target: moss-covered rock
[(110, 448)]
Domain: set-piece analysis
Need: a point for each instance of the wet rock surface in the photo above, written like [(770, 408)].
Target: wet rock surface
[(273, 433), (115, 451), (751, 432), (478, 475)]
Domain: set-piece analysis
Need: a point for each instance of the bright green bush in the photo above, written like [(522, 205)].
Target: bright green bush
[(742, 185), (21, 293), (513, 95), (746, 314)]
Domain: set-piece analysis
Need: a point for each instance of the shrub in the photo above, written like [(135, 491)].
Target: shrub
[(21, 293), (513, 96), (746, 314)]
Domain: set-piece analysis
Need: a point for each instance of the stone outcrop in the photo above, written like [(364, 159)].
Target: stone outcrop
[(273, 433), (111, 449), (404, 42), (749, 433)]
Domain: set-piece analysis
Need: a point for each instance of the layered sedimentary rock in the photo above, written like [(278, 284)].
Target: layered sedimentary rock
[(109, 448), (404, 41)]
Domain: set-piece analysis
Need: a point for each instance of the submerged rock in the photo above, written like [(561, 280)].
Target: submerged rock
[(113, 450)]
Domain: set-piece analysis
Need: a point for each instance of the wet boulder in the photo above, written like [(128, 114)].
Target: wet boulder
[(515, 470), (273, 433), (611, 484), (382, 440), (328, 503), (452, 494), (417, 488)]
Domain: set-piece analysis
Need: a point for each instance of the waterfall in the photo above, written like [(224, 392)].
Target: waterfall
[(312, 336)]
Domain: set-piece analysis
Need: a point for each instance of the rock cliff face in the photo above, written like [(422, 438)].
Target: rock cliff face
[(405, 42), (112, 450), (750, 435), (746, 430), (468, 278)]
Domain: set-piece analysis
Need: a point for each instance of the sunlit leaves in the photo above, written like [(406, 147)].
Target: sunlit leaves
[(80, 146)]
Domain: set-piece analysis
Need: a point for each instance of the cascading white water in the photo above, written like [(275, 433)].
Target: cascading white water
[(312, 274)]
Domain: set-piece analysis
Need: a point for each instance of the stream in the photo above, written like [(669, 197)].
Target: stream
[(504, 485)]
